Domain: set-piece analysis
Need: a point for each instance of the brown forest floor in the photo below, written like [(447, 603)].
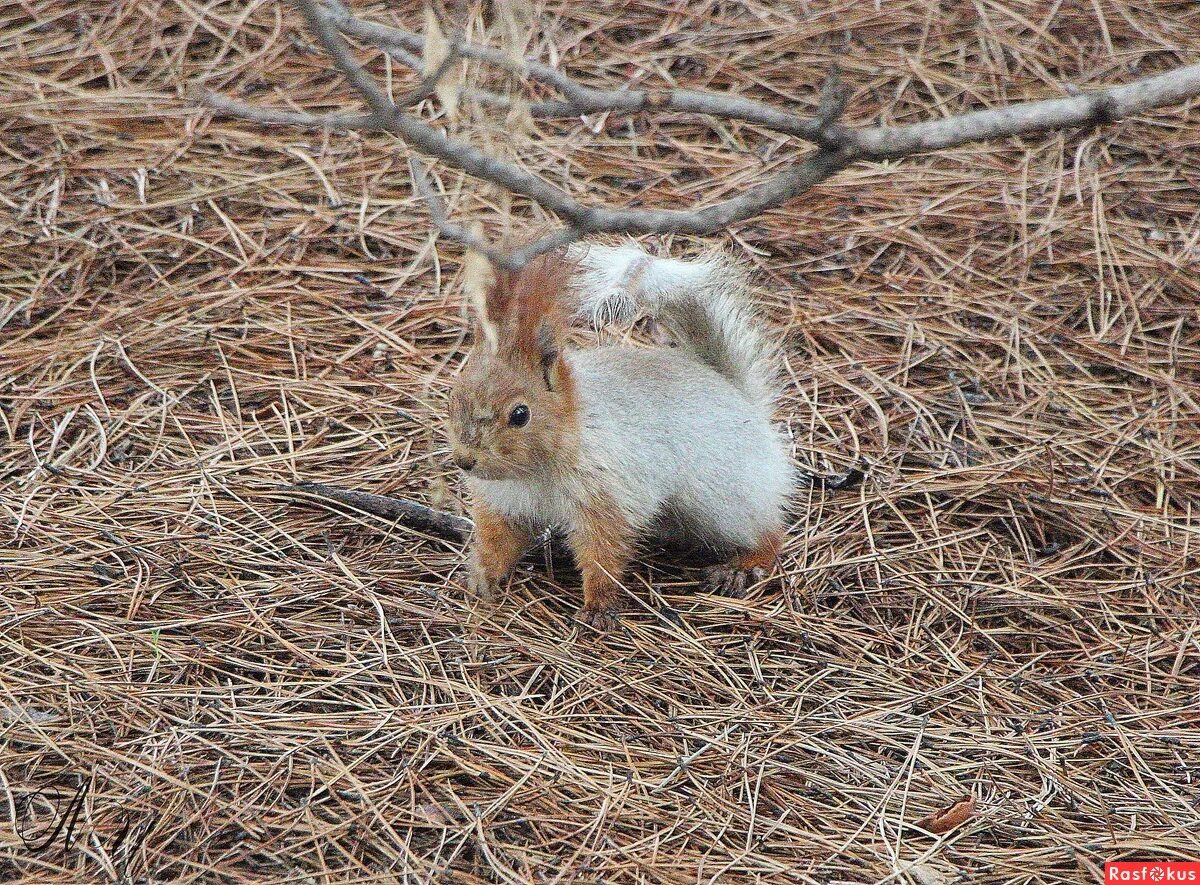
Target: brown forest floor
[(252, 689)]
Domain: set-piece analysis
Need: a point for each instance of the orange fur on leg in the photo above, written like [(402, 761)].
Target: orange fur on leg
[(765, 555), (603, 546), (499, 543)]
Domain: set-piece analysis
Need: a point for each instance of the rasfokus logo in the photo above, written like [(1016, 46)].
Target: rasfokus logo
[(1151, 872)]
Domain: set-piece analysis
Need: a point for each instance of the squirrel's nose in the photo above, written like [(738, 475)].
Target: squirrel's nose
[(464, 461)]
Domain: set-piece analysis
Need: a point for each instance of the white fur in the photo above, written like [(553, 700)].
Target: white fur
[(681, 439), (705, 303)]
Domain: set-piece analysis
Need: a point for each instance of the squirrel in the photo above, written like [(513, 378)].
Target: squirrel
[(611, 443)]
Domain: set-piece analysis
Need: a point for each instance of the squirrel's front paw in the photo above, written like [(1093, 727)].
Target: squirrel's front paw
[(482, 585), (600, 618), (728, 580)]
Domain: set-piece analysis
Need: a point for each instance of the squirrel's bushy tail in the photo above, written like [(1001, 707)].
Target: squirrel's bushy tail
[(704, 303)]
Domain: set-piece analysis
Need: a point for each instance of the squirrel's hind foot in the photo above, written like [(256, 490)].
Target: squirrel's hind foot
[(602, 619), (735, 577), (730, 580)]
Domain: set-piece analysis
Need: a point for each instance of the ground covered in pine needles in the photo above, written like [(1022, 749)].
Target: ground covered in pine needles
[(205, 678)]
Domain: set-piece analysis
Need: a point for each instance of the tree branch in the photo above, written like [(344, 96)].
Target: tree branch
[(1026, 118), (410, 514), (339, 50), (277, 116), (837, 145)]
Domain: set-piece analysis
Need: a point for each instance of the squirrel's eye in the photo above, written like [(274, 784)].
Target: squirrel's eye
[(519, 416)]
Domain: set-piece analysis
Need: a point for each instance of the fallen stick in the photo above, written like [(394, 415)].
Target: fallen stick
[(407, 513)]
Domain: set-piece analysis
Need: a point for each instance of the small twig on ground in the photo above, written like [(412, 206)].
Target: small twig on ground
[(408, 513)]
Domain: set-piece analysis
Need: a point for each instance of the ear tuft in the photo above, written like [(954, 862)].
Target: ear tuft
[(479, 280), (540, 320), (529, 308)]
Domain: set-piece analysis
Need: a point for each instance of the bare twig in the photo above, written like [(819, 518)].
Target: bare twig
[(439, 523), (1084, 109), (838, 145), (437, 210), (833, 103), (875, 143), (434, 142), (339, 50), (408, 513), (279, 116)]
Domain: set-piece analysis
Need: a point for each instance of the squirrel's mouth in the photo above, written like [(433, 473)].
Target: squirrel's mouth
[(505, 471), (485, 472)]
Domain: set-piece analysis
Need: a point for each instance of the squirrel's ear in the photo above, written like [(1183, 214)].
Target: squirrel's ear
[(479, 280), (486, 331), (536, 323)]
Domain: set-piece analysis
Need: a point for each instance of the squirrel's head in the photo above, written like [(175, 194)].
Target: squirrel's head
[(513, 412)]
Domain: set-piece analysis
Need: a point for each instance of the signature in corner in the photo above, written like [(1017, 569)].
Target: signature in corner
[(38, 836)]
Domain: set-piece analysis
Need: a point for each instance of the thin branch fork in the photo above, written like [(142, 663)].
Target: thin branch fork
[(837, 145)]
